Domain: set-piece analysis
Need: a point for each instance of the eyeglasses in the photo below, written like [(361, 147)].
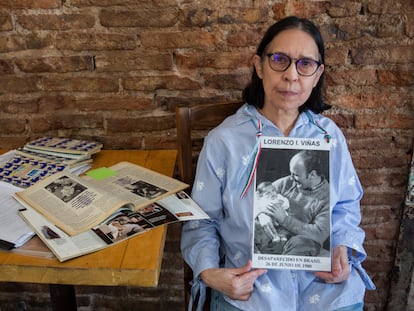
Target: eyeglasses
[(304, 66)]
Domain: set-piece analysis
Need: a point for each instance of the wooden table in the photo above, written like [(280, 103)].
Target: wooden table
[(134, 262)]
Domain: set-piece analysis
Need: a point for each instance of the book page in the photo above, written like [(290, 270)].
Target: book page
[(72, 203), (122, 225), (12, 228), (134, 183), (76, 204), (125, 223), (183, 207), (62, 245), (291, 218)]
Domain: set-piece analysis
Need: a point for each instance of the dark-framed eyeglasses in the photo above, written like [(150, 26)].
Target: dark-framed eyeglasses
[(304, 66)]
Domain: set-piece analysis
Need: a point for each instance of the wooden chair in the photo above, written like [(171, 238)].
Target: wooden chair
[(193, 124)]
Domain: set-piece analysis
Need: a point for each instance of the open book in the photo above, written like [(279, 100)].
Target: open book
[(76, 204), (78, 215), (122, 225)]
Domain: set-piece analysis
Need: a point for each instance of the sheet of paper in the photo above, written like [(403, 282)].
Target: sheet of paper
[(13, 228)]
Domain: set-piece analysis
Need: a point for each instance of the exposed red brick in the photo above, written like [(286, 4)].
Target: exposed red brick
[(140, 18), (12, 43), (95, 41), (225, 60), (138, 124), (396, 77), (384, 55), (115, 103), (66, 121), (177, 39), (344, 8), (307, 9), (30, 4), (81, 84), (56, 22), (19, 85), (229, 81), (56, 64), (109, 61), (5, 23), (6, 67), (12, 126), (161, 82)]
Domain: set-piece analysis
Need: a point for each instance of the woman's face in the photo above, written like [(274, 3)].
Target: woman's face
[(287, 90)]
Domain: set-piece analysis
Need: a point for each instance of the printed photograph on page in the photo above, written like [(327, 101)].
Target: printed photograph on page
[(291, 216)]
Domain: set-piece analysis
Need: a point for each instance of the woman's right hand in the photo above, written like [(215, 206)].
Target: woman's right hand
[(236, 283)]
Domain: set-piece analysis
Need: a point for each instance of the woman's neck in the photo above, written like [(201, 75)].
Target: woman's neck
[(284, 119)]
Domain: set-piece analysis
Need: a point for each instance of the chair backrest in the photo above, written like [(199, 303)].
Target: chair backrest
[(193, 124)]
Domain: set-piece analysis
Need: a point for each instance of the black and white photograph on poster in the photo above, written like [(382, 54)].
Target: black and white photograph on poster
[(291, 219)]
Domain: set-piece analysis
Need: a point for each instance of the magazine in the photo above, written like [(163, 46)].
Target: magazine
[(76, 204), (291, 218), (64, 146), (122, 225), (60, 158), (24, 172)]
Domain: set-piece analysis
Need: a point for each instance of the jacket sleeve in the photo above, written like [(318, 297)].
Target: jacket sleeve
[(200, 241), (346, 193)]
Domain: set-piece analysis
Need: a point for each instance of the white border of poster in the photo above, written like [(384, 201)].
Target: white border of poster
[(273, 163)]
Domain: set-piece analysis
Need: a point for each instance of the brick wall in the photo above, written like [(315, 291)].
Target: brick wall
[(114, 70)]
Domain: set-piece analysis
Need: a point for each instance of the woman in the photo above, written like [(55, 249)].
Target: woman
[(284, 99)]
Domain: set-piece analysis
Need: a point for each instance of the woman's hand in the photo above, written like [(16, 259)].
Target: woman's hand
[(237, 283), (340, 266)]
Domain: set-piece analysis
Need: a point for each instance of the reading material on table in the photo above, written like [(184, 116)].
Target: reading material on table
[(122, 225), (58, 159), (46, 156), (14, 232), (64, 146), (76, 204), (23, 172)]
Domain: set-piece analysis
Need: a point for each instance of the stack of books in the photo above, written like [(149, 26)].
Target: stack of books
[(26, 166), (45, 156)]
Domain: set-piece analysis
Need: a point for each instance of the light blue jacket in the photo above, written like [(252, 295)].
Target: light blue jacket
[(222, 171)]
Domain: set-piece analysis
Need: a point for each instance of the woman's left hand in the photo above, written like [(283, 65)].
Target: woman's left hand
[(340, 266)]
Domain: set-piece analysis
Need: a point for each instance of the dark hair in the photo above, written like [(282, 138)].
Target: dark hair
[(311, 160), (253, 94)]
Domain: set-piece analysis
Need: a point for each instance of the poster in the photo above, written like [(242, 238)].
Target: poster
[(291, 218)]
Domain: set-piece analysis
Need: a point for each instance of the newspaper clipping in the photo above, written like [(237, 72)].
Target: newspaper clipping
[(292, 225)]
